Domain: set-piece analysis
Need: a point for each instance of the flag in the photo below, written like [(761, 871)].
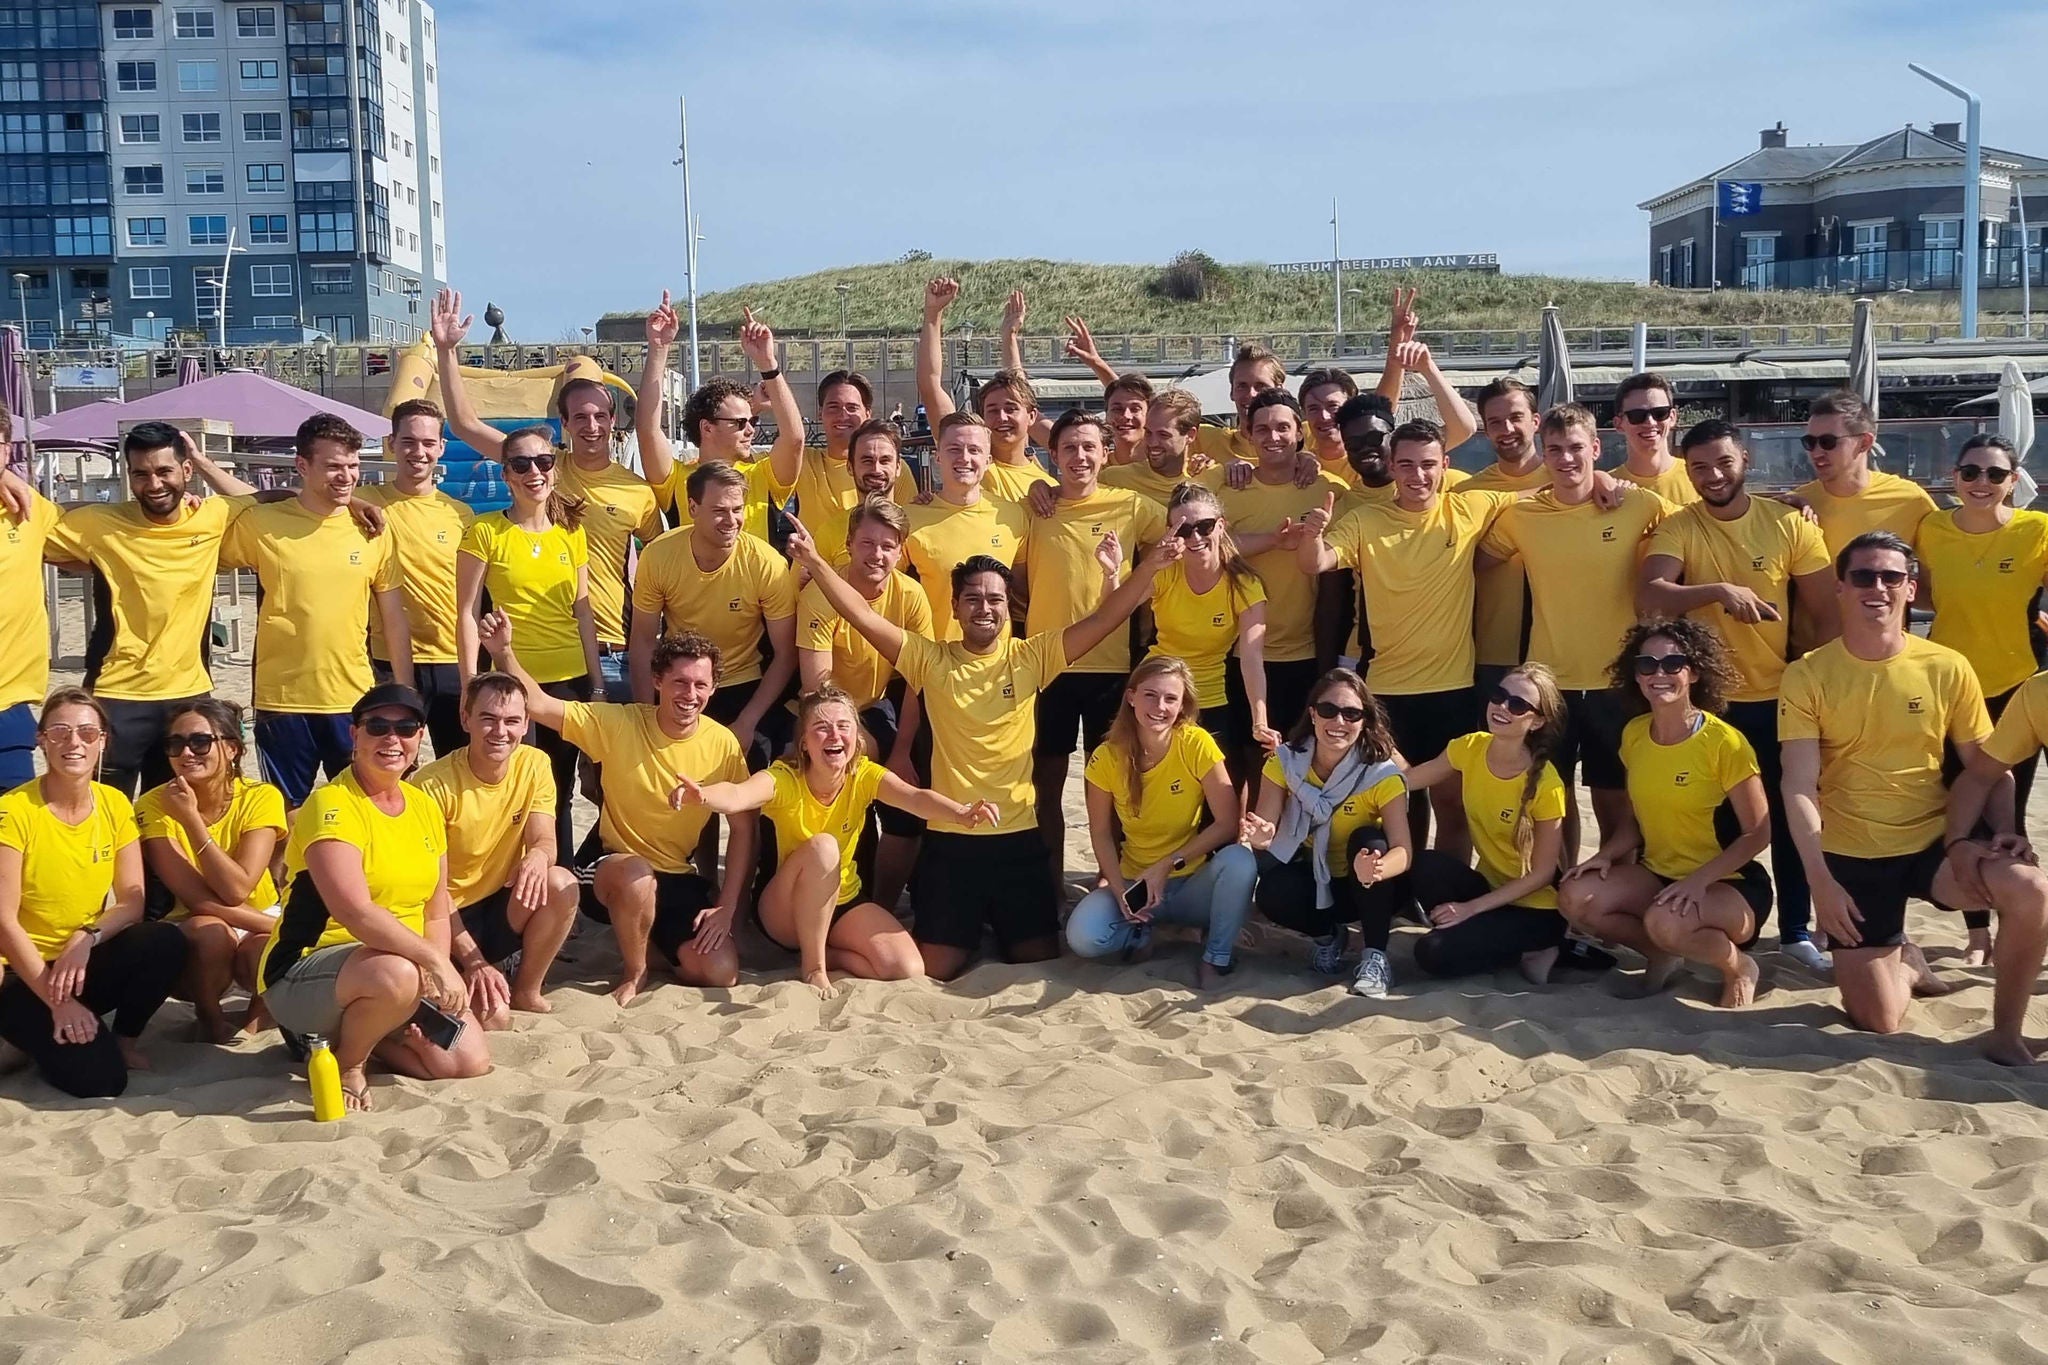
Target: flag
[(1738, 198)]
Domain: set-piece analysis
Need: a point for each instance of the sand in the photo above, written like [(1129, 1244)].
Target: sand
[(1079, 1161)]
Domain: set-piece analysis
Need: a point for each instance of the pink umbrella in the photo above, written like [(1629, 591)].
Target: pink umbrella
[(188, 370), (259, 408)]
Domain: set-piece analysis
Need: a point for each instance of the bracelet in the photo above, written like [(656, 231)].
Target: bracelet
[(204, 845), (775, 373)]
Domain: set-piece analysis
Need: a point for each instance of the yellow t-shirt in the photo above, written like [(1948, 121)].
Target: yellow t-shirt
[(252, 806), (1581, 564), (1259, 508), (318, 575), (1675, 790), (1363, 808), (1881, 726), (1142, 479), (486, 821), (762, 490), (2023, 726), (1362, 494), (1500, 608), (1984, 588), (857, 666), (67, 871), (1012, 482), (1170, 805), (1223, 444), (1416, 571), (1674, 485), (157, 591), (1066, 580), (1763, 550), (426, 530), (24, 621), (825, 493), (1887, 503), (1491, 803), (401, 865), (979, 707), (640, 765), (620, 508), (1200, 628), (731, 606), (798, 815), (942, 535), (532, 579)]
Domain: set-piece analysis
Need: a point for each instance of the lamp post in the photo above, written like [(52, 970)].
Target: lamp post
[(21, 288), (690, 238), (844, 290), (1337, 269), (1973, 174)]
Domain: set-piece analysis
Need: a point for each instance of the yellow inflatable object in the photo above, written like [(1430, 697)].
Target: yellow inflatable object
[(528, 394)]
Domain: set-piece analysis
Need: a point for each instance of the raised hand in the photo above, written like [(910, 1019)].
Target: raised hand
[(1318, 519), (1081, 342), (494, 633), (1402, 319), (663, 326), (1412, 355), (447, 324), (1015, 310), (757, 341), (1109, 553), (939, 296)]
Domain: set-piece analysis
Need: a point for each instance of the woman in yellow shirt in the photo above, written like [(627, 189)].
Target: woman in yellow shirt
[(1160, 778), (71, 927), (1678, 880), (817, 799), (1331, 829), (1505, 912), (1982, 566), (535, 562), (207, 838), (1208, 605)]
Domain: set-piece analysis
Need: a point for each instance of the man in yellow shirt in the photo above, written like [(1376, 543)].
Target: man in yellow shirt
[(1166, 455), (1847, 496), (1737, 563), (1646, 414), (1500, 616), (1126, 398), (24, 624), (1864, 721), (961, 520), (977, 698), (425, 526), (1005, 401), (318, 577)]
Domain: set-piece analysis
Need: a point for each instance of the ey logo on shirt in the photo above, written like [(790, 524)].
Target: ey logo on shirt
[(1756, 562), (440, 537), (1681, 779), (1914, 706), (1174, 786), (1607, 533), (1217, 619), (1507, 817), (733, 605), (2005, 565), (355, 556)]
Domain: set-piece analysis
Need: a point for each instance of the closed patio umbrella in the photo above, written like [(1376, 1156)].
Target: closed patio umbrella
[(2016, 424), (1553, 362)]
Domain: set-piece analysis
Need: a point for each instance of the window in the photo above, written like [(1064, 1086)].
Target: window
[(1759, 260), (265, 177), (198, 78), (89, 236), (252, 21), (408, 151), (327, 231), (142, 179), (330, 279), (134, 78), (437, 208), (270, 281), (404, 54), (52, 79), (149, 281), (262, 127), (430, 73), (434, 164), (268, 229), (146, 232), (194, 23), (19, 82), (134, 23), (137, 128), (1869, 242), (206, 290), (410, 197), (317, 76), (1944, 247), (205, 180), (260, 76), (1686, 279), (202, 127), (320, 130), (207, 229)]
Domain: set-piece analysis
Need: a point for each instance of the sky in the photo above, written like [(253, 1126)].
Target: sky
[(837, 134)]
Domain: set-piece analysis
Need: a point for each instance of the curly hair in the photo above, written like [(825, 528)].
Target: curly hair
[(703, 405), (1713, 673)]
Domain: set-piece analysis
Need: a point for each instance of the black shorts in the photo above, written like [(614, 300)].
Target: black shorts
[(1592, 740), (1753, 884), (1880, 888), (1216, 720), (679, 897), (901, 823), (489, 922), (1425, 723), (1076, 701), (770, 736), (1287, 688), (966, 881)]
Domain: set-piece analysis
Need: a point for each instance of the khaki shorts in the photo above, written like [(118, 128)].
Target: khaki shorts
[(303, 1000)]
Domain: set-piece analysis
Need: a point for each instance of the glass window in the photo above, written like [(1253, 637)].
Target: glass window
[(88, 236), (194, 23), (142, 179), (205, 180), (134, 78), (430, 73), (146, 232), (270, 281), (262, 127), (198, 78), (206, 290), (320, 130), (202, 127), (60, 79), (256, 21), (141, 128), (207, 229), (149, 281), (330, 279), (20, 82), (327, 231), (134, 23), (434, 164), (265, 177), (268, 229), (260, 75)]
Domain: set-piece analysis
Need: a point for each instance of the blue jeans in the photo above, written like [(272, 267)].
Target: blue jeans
[(1216, 896), (17, 745), (618, 678)]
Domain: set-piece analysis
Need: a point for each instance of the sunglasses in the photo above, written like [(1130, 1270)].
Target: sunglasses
[(1514, 705), (1828, 441), (1650, 665), (736, 423), (1197, 530), (1661, 413), (381, 726), (526, 464), (1870, 578), (1330, 710), (200, 744), (90, 734), (1993, 474)]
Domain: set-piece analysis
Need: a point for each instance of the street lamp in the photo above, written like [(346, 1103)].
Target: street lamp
[(844, 290), (1973, 174), (21, 288)]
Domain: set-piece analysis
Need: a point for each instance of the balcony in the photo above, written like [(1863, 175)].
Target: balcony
[(1933, 271)]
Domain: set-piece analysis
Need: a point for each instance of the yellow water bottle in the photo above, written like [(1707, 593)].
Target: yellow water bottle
[(324, 1074)]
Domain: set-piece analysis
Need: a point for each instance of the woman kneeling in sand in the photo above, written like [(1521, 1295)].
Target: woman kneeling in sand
[(1157, 774), (1667, 883), (818, 800)]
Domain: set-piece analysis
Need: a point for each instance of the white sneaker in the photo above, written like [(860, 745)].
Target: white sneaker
[(1373, 975), (1806, 955)]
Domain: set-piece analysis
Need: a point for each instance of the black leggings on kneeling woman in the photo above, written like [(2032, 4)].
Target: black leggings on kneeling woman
[(1286, 894), (128, 976), (1484, 943)]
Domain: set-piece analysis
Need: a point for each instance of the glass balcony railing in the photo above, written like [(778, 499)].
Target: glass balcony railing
[(1936, 269)]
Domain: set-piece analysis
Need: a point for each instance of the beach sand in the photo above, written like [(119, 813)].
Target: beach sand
[(1078, 1161)]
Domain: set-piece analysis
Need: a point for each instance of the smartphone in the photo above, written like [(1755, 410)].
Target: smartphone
[(437, 1026), (1135, 897)]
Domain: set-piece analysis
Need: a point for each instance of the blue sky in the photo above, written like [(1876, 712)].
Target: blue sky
[(1126, 131)]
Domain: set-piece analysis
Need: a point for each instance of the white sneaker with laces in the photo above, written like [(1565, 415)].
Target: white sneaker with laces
[(1373, 975), (1806, 955)]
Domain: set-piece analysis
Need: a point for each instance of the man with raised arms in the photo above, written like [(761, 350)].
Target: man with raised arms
[(1006, 402), (977, 693), (1646, 413)]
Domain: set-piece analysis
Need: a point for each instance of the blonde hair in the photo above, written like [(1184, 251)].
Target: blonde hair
[(807, 706), (1123, 731), (1236, 567), (1544, 740)]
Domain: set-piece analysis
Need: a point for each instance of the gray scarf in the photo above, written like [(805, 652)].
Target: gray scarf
[(1306, 816)]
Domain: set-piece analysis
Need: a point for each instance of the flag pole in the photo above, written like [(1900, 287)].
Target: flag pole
[(1714, 243)]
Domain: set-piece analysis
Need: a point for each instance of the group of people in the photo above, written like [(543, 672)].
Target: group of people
[(1316, 674)]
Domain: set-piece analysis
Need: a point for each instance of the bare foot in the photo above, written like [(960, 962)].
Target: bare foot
[(1739, 989), (1977, 952), (1208, 976), (820, 981), (1536, 966), (1925, 982), (1657, 973), (355, 1090), (531, 1002), (629, 987), (212, 1026), (2007, 1051), (132, 1053)]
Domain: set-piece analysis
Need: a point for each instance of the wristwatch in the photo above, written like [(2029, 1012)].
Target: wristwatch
[(1180, 864), (775, 373), (96, 933)]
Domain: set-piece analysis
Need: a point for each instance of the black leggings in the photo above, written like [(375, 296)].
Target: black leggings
[(2023, 784), (1286, 894), (562, 757), (1485, 942), (128, 976)]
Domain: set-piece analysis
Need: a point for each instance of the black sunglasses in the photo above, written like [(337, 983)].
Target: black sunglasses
[(1990, 473), (381, 726), (1517, 706), (1660, 413), (1330, 710), (526, 464), (1193, 530), (736, 423), (1650, 665), (200, 744), (1870, 578), (1825, 441)]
